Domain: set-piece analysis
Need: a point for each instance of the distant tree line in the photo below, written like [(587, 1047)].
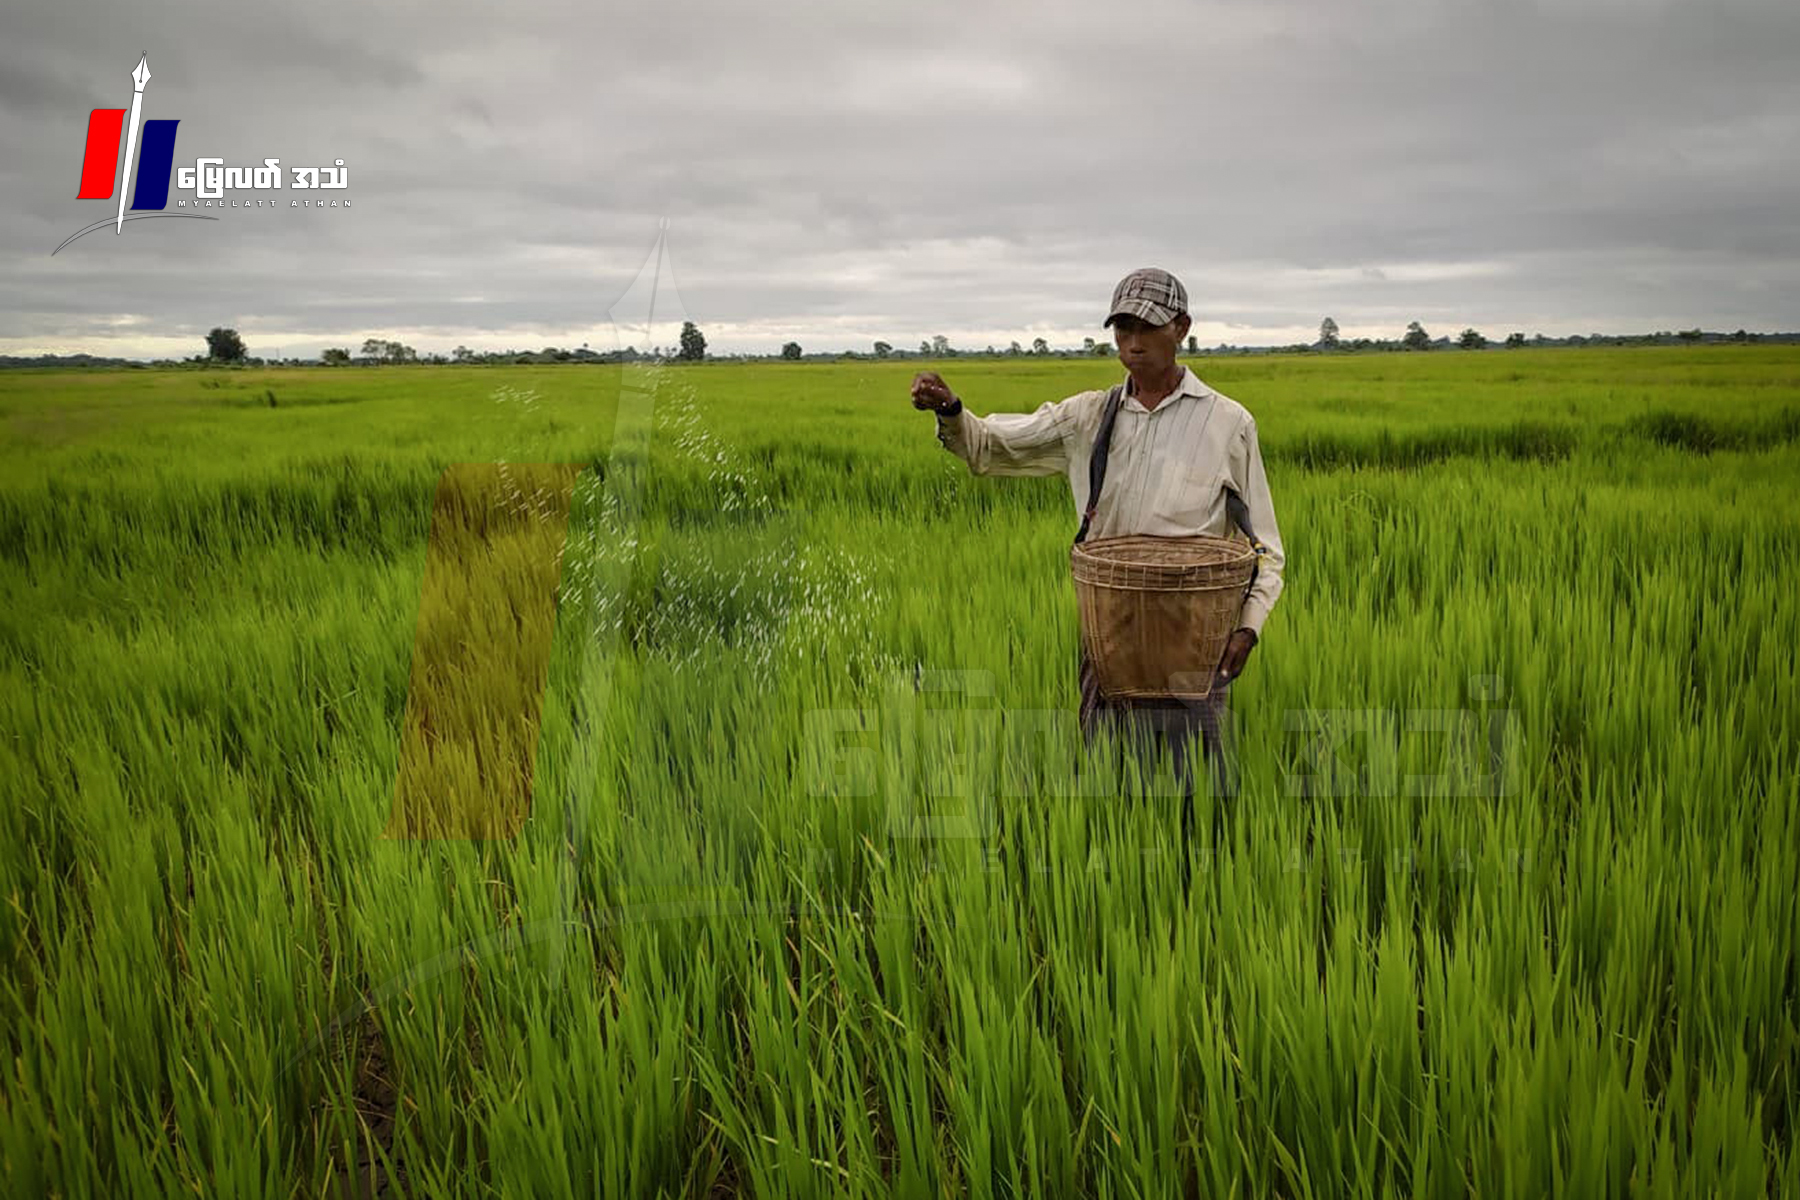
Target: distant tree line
[(224, 347), (1416, 338)]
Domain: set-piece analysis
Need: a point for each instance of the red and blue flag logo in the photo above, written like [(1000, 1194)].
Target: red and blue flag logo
[(100, 166), (104, 173)]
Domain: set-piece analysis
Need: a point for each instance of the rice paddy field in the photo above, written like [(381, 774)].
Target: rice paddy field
[(576, 781)]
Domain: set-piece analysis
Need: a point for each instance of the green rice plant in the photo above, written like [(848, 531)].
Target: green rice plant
[(818, 891)]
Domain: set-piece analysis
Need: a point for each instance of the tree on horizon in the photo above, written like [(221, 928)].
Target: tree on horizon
[(693, 343), (224, 345)]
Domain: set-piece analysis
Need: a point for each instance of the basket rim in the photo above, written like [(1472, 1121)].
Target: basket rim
[(1096, 549)]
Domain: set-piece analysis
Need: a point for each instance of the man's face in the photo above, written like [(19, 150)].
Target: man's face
[(1146, 348)]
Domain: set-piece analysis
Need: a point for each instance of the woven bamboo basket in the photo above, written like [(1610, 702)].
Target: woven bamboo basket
[(1156, 612)]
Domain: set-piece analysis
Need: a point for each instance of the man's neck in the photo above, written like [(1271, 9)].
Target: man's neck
[(1151, 394)]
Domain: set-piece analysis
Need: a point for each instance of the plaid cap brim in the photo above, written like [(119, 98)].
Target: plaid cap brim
[(1144, 310)]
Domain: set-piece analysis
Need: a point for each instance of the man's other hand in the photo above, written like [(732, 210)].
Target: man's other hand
[(929, 391), (1237, 653)]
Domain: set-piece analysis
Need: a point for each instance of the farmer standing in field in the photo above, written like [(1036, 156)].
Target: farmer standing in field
[(1178, 459)]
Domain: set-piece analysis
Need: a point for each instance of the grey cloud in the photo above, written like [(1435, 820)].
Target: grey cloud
[(934, 168)]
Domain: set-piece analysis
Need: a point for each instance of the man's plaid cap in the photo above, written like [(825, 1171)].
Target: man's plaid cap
[(1150, 294)]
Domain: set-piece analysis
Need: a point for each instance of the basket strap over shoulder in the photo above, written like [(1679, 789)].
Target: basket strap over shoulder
[(1239, 512), (1097, 461)]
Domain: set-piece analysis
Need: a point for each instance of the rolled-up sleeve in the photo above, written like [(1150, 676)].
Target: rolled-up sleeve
[(1261, 508), (1034, 443)]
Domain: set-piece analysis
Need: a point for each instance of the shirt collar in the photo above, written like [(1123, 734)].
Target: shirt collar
[(1188, 385)]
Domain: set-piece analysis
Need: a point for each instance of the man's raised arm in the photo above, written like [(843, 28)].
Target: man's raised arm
[(1032, 443)]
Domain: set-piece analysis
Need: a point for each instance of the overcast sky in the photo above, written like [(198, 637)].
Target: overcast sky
[(834, 173)]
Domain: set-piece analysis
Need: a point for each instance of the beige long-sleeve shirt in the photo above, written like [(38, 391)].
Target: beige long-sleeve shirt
[(1166, 472)]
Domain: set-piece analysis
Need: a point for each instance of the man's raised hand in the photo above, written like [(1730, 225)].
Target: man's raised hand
[(929, 391)]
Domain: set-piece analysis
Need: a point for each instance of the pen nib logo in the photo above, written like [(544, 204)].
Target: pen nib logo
[(139, 78)]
